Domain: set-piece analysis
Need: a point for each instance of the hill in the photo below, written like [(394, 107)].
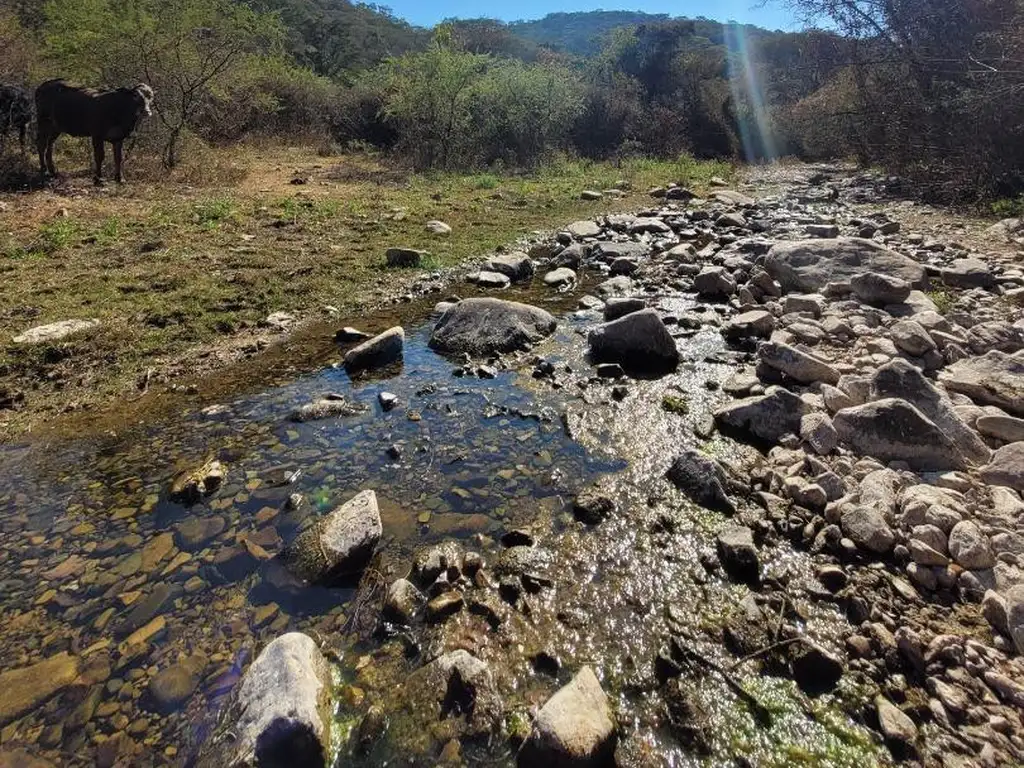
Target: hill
[(580, 33)]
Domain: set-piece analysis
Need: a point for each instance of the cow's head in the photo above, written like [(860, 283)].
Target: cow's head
[(145, 95)]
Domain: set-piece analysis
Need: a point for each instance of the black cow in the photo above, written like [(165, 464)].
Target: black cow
[(15, 112), (102, 115)]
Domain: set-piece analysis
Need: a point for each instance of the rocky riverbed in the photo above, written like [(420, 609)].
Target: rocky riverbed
[(733, 480)]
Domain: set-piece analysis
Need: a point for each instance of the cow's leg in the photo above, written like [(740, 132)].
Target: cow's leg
[(23, 135), (118, 160), (97, 151), (49, 156), (41, 143)]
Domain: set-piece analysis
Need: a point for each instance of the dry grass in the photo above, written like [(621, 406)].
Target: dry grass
[(172, 264)]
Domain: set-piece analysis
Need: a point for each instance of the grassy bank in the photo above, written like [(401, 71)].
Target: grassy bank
[(181, 272)]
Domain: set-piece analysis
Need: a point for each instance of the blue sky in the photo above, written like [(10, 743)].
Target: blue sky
[(773, 14)]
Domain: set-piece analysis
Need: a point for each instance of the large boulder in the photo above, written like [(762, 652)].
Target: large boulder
[(574, 729), (894, 430), (899, 378), (767, 417), (280, 715), (340, 543), (640, 340), (796, 364), (1006, 467), (484, 327), (807, 266), (381, 350), (993, 379), (702, 479)]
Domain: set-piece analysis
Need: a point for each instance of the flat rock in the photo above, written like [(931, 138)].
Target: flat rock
[(639, 339), (582, 229), (379, 351), (327, 408), (995, 379), (280, 714), (757, 323), (559, 277), (172, 686), (736, 550), (487, 279), (895, 724), (880, 289), (702, 479), (807, 266), (768, 417), (796, 364), (484, 327), (340, 543), (1006, 467), (575, 728), (894, 430), (968, 273), (732, 197), (23, 690), (51, 332), (517, 267)]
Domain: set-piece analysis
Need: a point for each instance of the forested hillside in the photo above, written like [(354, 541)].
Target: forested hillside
[(937, 94)]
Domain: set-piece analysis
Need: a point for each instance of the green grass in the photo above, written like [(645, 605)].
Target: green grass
[(943, 300), (1009, 208), (172, 266)]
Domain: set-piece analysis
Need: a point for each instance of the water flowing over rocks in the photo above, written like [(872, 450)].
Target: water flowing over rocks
[(639, 339)]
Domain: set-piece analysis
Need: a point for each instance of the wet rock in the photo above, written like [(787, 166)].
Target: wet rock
[(832, 577), (336, 406), (379, 351), (26, 688), (574, 728), (430, 563), (592, 505), (615, 308), (894, 430), (371, 729), (807, 266), (895, 725), (702, 479), (445, 605), (757, 323), (349, 335), (900, 379), (796, 364), (768, 417), (191, 487), (822, 230), (339, 544), (993, 379), (1006, 468), (281, 712), (714, 283), (170, 688), (816, 670), (486, 279), (880, 289), (969, 547), (454, 686), (47, 334), (402, 602), (616, 286), (484, 327), (19, 758), (517, 267), (388, 400), (866, 527), (639, 339), (146, 609), (736, 550), (405, 257)]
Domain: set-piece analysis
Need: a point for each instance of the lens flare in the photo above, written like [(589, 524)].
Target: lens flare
[(748, 97)]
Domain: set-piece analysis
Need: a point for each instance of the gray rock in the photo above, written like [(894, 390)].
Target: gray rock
[(405, 257), (574, 729), (51, 332), (350, 335), (811, 303), (816, 670), (438, 228), (487, 279), (340, 543), (807, 266), (911, 338), (894, 430), (895, 724), (866, 527), (1015, 616), (880, 289), (994, 609), (822, 230), (968, 273), (997, 334), (969, 547), (714, 282), (993, 379), (1006, 429), (328, 408), (817, 431), (1006, 467), (616, 286), (702, 479), (609, 251), (778, 412), (517, 267), (796, 364), (559, 277), (756, 323), (484, 327), (590, 194), (582, 229), (900, 379), (620, 307), (644, 224), (280, 714), (639, 339), (379, 351), (736, 550), (732, 197)]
